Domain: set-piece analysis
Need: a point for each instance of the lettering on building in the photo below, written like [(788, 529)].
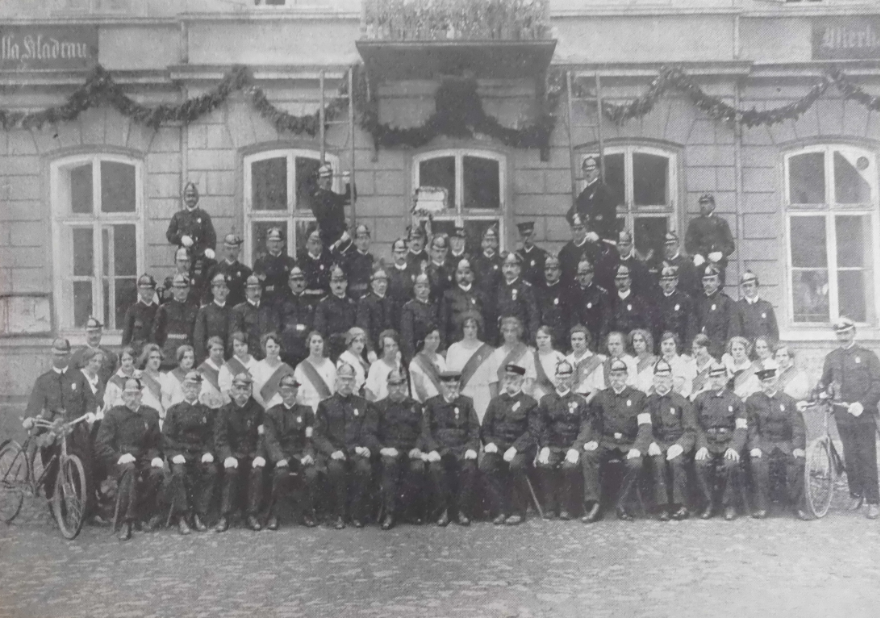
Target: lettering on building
[(34, 48)]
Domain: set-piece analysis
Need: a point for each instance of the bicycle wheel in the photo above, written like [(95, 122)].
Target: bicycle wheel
[(13, 480), (69, 500), (819, 477)]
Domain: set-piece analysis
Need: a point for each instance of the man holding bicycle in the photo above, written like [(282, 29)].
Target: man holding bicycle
[(851, 376)]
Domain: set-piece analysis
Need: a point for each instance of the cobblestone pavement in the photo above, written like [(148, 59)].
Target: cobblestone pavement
[(779, 567)]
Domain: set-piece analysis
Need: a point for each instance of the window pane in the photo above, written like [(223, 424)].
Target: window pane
[(650, 235), (482, 183), (82, 302), (650, 179), (259, 229), (81, 196), (269, 184), (306, 173), (806, 178), (810, 291), (439, 172), (301, 229), (853, 242), (850, 184), (126, 296), (117, 187), (615, 175), (83, 252), (808, 246), (473, 229), (851, 291), (125, 250)]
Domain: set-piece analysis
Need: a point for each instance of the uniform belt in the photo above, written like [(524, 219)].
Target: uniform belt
[(718, 430), (314, 292), (176, 336), (359, 286)]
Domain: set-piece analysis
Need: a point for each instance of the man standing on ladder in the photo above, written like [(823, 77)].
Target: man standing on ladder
[(597, 204), (329, 208)]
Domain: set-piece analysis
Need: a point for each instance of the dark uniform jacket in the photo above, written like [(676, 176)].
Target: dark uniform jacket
[(533, 264), (54, 392), (457, 303), (316, 271), (755, 319), (440, 279), (775, 423), (358, 268), (212, 320), (400, 288), (487, 273), (289, 432), (237, 430), (562, 418), (343, 423), (721, 421), (334, 315), (571, 254), (639, 275), (616, 419), (511, 420), (273, 271), (296, 317), (597, 206), (450, 428), (236, 278), (200, 287), (416, 321), (108, 367), (417, 261), (123, 431), (173, 327), (138, 324), (400, 424), (517, 299), (374, 315), (555, 311), (329, 210), (591, 307), (188, 430), (254, 321), (689, 280), (708, 234), (714, 317), (674, 313), (856, 374), (629, 313), (193, 296), (196, 224), (672, 419)]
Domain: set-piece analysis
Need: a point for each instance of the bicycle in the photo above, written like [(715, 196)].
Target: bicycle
[(22, 472), (824, 464)]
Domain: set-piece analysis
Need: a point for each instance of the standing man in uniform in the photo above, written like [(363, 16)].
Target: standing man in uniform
[(183, 266), (461, 300), (674, 310), (532, 256), (359, 264), (457, 245), (335, 313), (174, 323), (236, 272), (590, 302), (417, 258), (597, 204), (254, 317), (138, 322), (487, 275), (213, 319), (851, 375), (296, 317), (576, 250), (375, 312), (628, 310), (439, 274), (754, 317), (516, 298), (401, 277), (552, 299), (94, 333), (315, 263), (708, 237), (418, 318), (272, 268), (192, 228), (329, 207), (688, 278), (509, 432), (641, 278), (714, 312)]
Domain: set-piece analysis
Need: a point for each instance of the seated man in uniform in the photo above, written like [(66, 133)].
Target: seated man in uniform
[(451, 440), (189, 445), (621, 428), (288, 444), (399, 435), (509, 432), (777, 439)]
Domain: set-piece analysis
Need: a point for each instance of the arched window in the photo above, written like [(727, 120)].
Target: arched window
[(475, 182), (278, 186), (645, 180), (97, 227), (831, 203)]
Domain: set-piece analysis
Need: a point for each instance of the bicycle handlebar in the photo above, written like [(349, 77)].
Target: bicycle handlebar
[(41, 422)]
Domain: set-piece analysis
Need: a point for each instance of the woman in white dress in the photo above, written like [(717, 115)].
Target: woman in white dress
[(740, 369), (546, 359), (468, 356), (641, 343), (93, 360), (425, 368), (152, 379), (376, 386), (113, 390), (792, 381), (210, 394), (588, 367), (240, 362), (355, 342), (702, 364), (316, 374), (172, 381), (268, 372), (684, 369)]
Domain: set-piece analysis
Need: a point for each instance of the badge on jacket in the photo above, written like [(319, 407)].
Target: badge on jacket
[(572, 407), (672, 411), (556, 301), (629, 307), (356, 412), (763, 316), (677, 307), (858, 360), (513, 295), (589, 305), (514, 407), (713, 307)]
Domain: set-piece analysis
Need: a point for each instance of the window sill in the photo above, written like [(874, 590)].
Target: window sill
[(825, 333)]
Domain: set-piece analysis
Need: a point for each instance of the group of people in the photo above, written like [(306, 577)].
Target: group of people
[(418, 380)]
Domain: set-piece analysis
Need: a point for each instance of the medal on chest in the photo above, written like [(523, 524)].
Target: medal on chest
[(629, 307), (672, 411), (356, 413), (513, 294), (572, 407), (858, 360), (456, 412), (515, 407), (677, 307), (713, 307), (589, 305), (533, 263)]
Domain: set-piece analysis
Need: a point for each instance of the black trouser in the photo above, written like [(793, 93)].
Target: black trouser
[(794, 476), (662, 470), (137, 488), (247, 480), (191, 487), (404, 478), (452, 481), (860, 456), (727, 471), (507, 482), (291, 477), (591, 462), (559, 479), (350, 478)]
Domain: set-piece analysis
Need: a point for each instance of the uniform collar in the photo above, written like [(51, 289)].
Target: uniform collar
[(254, 304), (624, 295), (466, 289), (618, 393), (60, 372), (509, 283), (563, 393), (754, 300), (221, 305)]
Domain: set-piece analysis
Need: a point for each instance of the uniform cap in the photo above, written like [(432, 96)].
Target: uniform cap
[(717, 370), (564, 368), (622, 270), (336, 273), (710, 271), (459, 232), (399, 244), (843, 324), (296, 273), (289, 381), (450, 376), (274, 233), (146, 281), (490, 232), (748, 276), (551, 260), (60, 345), (662, 368), (345, 369), (669, 272), (137, 388), (584, 267), (191, 186), (526, 227), (192, 377), (219, 278), (417, 232), (512, 257), (515, 369), (379, 273), (591, 159), (671, 238), (353, 333), (253, 281), (440, 240), (181, 251), (624, 236), (232, 240), (395, 377), (93, 324), (707, 197), (422, 278), (464, 263), (768, 370), (180, 281), (362, 228), (242, 379), (576, 219), (618, 365), (325, 170)]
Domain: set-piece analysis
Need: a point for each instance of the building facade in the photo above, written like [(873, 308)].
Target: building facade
[(84, 204)]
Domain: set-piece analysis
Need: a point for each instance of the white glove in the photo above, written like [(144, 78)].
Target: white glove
[(345, 237), (802, 405), (592, 237), (544, 456), (259, 462), (125, 459), (491, 448), (388, 452), (28, 423), (434, 456), (509, 454), (798, 452), (91, 417), (307, 460), (702, 454), (157, 462), (363, 451), (633, 453), (716, 256), (100, 415), (654, 450), (572, 456), (699, 260), (755, 452), (470, 454), (186, 241), (178, 459), (592, 445), (674, 451), (731, 454), (207, 458), (337, 455), (209, 253), (230, 462), (415, 454), (856, 408), (282, 463)]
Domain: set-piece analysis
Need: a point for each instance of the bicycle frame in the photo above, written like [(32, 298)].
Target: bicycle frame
[(61, 432)]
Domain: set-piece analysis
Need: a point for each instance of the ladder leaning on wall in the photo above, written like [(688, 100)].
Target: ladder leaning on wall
[(583, 105), (324, 123)]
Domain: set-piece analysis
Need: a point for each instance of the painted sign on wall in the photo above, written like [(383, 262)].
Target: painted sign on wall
[(846, 38), (29, 48)]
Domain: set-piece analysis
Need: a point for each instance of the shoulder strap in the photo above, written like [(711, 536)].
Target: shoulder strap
[(315, 378), (474, 362)]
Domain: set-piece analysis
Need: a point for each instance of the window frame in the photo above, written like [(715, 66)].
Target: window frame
[(63, 220), (291, 215), (829, 210)]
